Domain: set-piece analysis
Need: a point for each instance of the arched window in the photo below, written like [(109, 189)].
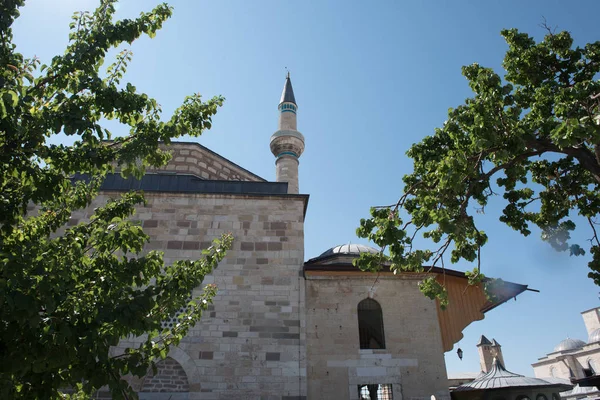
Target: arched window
[(555, 396), (522, 397), (541, 397), (370, 325), (553, 371)]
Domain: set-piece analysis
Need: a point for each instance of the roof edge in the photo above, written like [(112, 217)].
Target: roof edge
[(218, 155), (310, 265), (209, 151), (591, 309)]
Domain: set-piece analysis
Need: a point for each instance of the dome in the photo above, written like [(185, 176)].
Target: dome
[(569, 344), (594, 336), (349, 249), (499, 378)]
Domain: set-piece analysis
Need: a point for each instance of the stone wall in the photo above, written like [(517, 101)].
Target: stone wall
[(169, 377), (192, 158), (591, 319), (250, 344), (413, 360), (558, 364)]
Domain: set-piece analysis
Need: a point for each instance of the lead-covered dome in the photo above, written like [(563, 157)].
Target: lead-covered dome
[(349, 249), (594, 336), (569, 344)]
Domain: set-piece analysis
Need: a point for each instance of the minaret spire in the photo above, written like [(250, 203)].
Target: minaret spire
[(287, 96), (287, 144)]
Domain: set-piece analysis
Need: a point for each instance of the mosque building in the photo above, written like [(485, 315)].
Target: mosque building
[(576, 360), (281, 327)]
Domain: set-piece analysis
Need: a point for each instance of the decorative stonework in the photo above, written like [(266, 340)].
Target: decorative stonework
[(171, 322)]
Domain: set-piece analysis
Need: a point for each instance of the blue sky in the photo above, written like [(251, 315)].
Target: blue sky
[(370, 79)]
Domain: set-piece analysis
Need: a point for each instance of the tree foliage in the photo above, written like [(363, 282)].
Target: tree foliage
[(532, 137), (68, 294)]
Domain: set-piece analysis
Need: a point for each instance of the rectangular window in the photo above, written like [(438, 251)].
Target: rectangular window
[(375, 392)]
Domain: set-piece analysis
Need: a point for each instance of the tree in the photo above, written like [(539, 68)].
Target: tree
[(66, 298), (532, 137)]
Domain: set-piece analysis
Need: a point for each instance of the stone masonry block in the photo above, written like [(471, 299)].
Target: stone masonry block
[(247, 246)]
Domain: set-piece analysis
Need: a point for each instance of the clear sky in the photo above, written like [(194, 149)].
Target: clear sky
[(370, 78)]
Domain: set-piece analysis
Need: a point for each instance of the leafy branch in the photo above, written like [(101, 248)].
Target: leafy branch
[(532, 137), (68, 294)]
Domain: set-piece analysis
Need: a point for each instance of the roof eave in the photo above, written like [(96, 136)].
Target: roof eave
[(511, 290)]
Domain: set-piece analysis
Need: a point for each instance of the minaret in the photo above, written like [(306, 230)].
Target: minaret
[(287, 144)]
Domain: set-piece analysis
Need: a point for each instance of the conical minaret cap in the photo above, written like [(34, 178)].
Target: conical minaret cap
[(287, 96)]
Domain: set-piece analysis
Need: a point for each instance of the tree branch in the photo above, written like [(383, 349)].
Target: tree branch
[(485, 177), (595, 237), (585, 157)]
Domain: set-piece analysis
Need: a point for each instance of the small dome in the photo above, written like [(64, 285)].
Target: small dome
[(349, 249), (569, 344), (594, 336)]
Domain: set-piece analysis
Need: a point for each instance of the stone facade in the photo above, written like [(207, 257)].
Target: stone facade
[(250, 344), (575, 359), (573, 362), (413, 359), (566, 365)]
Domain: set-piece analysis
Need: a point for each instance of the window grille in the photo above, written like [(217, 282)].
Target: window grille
[(370, 325), (375, 392), (171, 322)]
